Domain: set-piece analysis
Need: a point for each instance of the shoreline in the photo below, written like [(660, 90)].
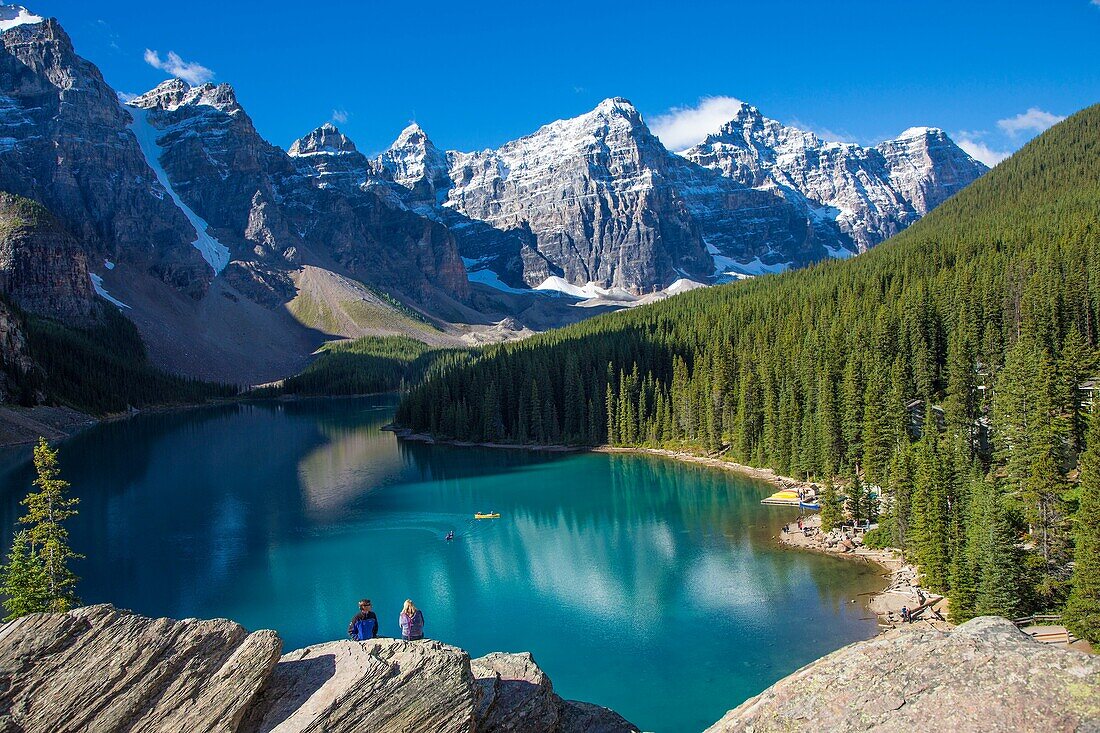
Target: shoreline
[(903, 590), (21, 426), (902, 578)]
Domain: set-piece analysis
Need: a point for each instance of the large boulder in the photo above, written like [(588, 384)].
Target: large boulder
[(518, 696), (102, 669), (378, 685), (985, 675)]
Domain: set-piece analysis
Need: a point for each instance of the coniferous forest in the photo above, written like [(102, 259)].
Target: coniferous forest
[(945, 367)]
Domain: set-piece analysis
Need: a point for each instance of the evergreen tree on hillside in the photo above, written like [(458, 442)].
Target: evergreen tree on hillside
[(832, 507), (1000, 591), (23, 580), (46, 539), (1082, 614)]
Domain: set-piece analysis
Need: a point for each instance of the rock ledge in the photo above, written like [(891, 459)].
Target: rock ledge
[(103, 669)]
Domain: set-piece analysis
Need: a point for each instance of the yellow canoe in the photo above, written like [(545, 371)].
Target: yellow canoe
[(491, 515)]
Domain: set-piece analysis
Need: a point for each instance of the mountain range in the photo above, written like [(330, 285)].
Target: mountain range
[(236, 259)]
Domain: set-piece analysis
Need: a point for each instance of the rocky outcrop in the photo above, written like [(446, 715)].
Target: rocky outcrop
[(518, 696), (102, 669), (871, 193), (377, 685), (985, 675), (42, 267)]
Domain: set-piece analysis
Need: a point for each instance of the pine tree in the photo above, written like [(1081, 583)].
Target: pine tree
[(23, 580), (46, 541), (1000, 586), (1082, 615), (832, 508)]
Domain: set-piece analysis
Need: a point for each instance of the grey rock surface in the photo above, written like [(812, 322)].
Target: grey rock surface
[(102, 669), (598, 199), (518, 696), (66, 144), (42, 267), (378, 685), (985, 675), (871, 193)]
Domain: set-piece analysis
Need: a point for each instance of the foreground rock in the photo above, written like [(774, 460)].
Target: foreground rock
[(518, 696), (102, 669), (984, 676), (378, 685)]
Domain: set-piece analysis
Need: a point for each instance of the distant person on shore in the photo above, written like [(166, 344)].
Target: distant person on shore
[(365, 624), (905, 615), (412, 622)]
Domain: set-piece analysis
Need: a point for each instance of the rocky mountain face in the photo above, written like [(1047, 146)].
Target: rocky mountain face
[(270, 209), (597, 200), (43, 268), (178, 189), (64, 143), (870, 193), (985, 675), (102, 669), (174, 209)]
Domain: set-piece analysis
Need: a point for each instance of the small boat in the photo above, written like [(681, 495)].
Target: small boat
[(809, 505), (487, 515), (450, 535)]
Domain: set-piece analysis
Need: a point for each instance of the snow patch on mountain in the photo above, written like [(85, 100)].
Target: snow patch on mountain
[(12, 16), (486, 276), (97, 284), (213, 251)]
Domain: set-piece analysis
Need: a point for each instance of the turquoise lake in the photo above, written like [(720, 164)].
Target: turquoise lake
[(650, 586)]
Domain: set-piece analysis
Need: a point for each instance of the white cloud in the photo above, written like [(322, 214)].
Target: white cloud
[(1034, 120), (340, 116), (975, 148), (125, 97), (191, 72), (682, 127)]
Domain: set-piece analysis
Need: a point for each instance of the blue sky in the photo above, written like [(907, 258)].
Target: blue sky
[(475, 75)]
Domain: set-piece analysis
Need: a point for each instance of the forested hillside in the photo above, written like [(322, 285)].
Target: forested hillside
[(986, 311), (103, 368)]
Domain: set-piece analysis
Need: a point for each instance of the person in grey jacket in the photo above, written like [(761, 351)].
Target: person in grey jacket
[(411, 621)]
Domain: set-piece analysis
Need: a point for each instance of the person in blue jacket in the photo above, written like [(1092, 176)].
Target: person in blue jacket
[(365, 624)]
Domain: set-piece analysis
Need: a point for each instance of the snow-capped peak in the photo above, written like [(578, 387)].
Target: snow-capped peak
[(175, 93), (919, 132), (616, 104), (16, 15), (413, 135), (326, 139)]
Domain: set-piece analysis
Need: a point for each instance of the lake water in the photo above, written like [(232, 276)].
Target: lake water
[(647, 585)]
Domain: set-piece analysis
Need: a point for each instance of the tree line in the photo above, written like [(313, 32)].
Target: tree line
[(935, 379)]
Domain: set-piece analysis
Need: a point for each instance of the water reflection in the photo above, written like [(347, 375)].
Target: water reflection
[(609, 567)]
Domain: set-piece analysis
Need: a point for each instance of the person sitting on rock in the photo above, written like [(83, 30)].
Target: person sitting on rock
[(411, 621), (365, 624)]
